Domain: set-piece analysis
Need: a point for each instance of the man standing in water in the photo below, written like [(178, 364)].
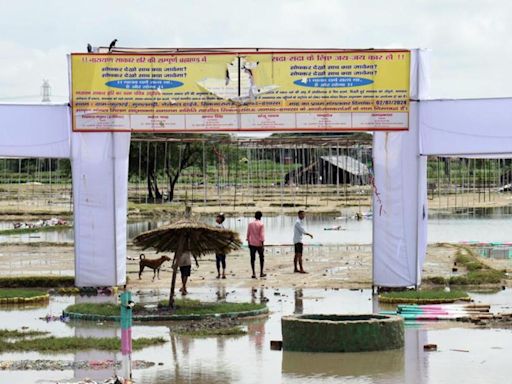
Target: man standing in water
[(298, 234), (256, 239), (220, 258)]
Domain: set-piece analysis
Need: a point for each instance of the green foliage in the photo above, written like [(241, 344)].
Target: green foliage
[(426, 295), (437, 280), (25, 342), (37, 281), (206, 332), (25, 293), (15, 334), (20, 231), (183, 307), (103, 309), (193, 307), (44, 171), (478, 277), (478, 272)]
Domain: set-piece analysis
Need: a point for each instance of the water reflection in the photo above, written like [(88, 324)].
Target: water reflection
[(248, 359), (388, 365), (299, 304), (98, 373)]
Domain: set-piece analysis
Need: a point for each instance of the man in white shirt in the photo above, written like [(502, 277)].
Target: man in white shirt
[(298, 235)]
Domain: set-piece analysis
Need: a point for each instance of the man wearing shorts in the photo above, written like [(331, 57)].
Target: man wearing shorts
[(185, 264), (220, 258), (298, 235)]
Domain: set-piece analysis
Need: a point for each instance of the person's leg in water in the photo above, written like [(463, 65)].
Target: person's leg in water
[(262, 260), (223, 262), (252, 250)]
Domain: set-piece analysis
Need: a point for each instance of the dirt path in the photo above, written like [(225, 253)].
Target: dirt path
[(328, 266)]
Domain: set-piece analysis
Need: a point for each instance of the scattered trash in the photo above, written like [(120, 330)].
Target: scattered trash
[(48, 318), (430, 347), (60, 365), (276, 345)]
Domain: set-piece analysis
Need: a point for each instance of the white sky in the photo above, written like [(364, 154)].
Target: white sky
[(470, 39)]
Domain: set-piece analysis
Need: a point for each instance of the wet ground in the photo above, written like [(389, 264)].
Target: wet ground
[(465, 354)]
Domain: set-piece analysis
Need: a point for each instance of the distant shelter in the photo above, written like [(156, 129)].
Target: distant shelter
[(330, 170)]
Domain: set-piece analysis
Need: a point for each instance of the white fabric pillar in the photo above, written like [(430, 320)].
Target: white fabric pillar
[(399, 207), (100, 196), (399, 201)]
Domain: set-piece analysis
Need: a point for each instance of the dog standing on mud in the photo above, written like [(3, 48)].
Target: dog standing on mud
[(154, 264)]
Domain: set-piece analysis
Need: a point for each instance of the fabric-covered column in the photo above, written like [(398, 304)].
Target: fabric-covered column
[(100, 197), (399, 207)]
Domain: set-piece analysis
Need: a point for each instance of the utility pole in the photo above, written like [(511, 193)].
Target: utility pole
[(46, 91)]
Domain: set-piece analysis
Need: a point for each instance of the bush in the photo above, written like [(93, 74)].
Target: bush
[(37, 282)]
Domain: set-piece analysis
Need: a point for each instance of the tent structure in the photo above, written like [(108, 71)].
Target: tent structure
[(100, 175), (328, 170)]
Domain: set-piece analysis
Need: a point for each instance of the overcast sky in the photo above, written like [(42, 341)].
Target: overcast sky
[(470, 40)]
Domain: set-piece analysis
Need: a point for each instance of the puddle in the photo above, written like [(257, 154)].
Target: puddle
[(248, 359)]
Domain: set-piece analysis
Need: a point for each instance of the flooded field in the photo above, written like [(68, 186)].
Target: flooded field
[(477, 355), (482, 226)]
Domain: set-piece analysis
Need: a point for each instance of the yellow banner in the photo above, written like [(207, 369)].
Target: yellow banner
[(270, 91)]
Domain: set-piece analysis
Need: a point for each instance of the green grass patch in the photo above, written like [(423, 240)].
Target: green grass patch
[(19, 292), (21, 231), (71, 344), (465, 257), (15, 334), (436, 280), (479, 277), (37, 282), (195, 307), (102, 309), (423, 296), (478, 273), (183, 307)]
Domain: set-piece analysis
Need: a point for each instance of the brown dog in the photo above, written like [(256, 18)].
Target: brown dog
[(154, 264)]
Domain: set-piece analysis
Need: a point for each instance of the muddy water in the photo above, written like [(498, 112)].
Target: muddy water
[(248, 359), (485, 227)]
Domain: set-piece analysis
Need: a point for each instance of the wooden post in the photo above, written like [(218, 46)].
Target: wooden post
[(177, 257)]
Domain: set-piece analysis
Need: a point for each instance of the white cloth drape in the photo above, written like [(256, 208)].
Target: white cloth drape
[(399, 201), (100, 195), (478, 127), (399, 207), (38, 130)]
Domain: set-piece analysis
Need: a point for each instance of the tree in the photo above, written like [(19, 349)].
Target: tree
[(151, 159), (187, 157)]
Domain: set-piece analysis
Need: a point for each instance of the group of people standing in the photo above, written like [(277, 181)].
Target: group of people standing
[(256, 239)]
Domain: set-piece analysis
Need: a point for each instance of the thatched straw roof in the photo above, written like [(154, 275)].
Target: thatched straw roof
[(195, 237)]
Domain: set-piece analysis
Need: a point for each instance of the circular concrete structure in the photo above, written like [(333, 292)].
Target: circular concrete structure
[(342, 333)]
